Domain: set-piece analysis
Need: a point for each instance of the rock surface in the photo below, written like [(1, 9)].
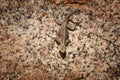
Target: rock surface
[(27, 53)]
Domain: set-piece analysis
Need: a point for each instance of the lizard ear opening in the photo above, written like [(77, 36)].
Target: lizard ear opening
[(63, 55)]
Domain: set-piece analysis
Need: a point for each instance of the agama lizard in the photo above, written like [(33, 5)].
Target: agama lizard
[(62, 37)]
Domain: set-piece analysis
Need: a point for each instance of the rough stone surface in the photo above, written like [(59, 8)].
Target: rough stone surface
[(27, 53)]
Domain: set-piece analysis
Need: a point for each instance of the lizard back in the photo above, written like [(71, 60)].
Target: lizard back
[(63, 33)]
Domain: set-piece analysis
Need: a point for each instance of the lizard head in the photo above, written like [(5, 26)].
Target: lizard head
[(62, 50)]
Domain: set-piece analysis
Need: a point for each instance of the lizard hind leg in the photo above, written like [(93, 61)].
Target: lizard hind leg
[(57, 41), (71, 27), (58, 21)]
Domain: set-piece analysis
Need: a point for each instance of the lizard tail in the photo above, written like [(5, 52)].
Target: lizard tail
[(68, 16)]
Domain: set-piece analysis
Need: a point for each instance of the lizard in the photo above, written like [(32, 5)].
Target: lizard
[(62, 36)]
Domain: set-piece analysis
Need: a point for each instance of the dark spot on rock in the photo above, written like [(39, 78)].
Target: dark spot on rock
[(29, 16), (69, 9), (70, 53), (78, 48), (10, 79), (118, 17), (88, 66), (49, 65), (85, 62), (79, 53), (73, 56), (39, 61)]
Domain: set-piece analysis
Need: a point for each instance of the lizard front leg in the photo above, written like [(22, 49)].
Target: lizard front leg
[(67, 42), (59, 22), (55, 38)]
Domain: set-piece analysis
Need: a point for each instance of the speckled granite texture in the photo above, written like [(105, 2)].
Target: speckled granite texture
[(27, 53)]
